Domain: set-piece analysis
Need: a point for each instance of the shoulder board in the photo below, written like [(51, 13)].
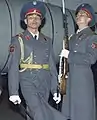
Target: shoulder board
[(45, 37), (20, 35)]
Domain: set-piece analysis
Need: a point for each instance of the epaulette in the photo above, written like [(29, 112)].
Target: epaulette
[(19, 35), (45, 37)]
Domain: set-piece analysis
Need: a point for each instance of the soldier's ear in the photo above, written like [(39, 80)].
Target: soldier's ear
[(25, 21), (89, 20)]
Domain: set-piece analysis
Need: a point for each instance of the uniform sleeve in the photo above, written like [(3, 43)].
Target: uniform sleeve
[(87, 58), (13, 67), (53, 71)]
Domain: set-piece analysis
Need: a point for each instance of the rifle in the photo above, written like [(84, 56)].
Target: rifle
[(63, 65)]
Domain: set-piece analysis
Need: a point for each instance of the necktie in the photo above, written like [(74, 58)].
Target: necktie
[(35, 37)]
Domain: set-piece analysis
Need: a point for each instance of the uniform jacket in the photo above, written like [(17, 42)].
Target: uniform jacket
[(35, 84), (42, 54), (79, 103)]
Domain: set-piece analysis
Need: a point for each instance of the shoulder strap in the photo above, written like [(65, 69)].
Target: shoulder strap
[(21, 46)]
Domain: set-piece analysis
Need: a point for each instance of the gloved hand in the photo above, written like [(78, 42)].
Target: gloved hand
[(0, 91), (15, 99), (57, 97), (64, 53)]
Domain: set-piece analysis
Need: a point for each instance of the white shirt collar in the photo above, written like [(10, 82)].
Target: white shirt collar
[(37, 34), (79, 30)]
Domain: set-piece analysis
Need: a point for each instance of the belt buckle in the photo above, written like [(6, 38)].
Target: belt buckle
[(41, 66)]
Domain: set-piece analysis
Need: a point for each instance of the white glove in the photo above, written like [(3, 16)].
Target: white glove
[(0, 91), (59, 77), (64, 53), (15, 99), (57, 98)]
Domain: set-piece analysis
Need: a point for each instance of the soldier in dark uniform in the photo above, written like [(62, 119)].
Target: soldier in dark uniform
[(32, 65), (80, 97)]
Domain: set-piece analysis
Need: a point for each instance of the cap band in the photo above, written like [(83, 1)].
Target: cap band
[(33, 11), (87, 12)]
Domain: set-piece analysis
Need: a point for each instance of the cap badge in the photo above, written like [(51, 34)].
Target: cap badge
[(34, 2), (82, 5)]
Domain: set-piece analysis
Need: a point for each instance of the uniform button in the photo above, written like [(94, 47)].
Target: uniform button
[(31, 72), (46, 55), (75, 51), (76, 44), (34, 56), (79, 38)]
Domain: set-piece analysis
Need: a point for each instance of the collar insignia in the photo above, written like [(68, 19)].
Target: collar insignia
[(27, 37)]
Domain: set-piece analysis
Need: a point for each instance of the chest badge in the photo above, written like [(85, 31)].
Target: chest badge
[(27, 37)]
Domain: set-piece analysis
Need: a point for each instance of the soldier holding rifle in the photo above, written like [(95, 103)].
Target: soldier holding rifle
[(82, 53)]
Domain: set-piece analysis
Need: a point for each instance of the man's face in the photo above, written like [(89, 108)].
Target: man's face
[(33, 21), (82, 18)]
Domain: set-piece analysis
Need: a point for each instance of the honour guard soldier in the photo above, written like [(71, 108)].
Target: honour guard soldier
[(80, 96), (32, 65)]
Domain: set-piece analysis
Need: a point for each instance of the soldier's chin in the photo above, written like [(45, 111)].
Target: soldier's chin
[(34, 27), (79, 23)]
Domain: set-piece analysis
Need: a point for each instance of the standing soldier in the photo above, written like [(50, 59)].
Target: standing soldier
[(80, 96), (32, 65)]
